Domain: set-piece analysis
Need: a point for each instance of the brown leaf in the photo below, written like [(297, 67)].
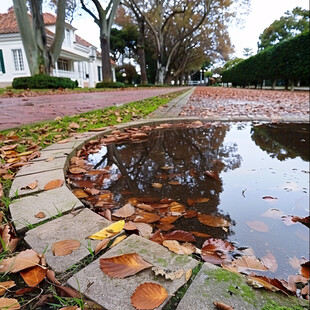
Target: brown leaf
[(74, 125), (126, 211), (200, 234), (214, 244), (147, 217), (213, 174), (176, 247), (4, 286), (123, 266), (50, 275), (168, 273), (157, 185), (77, 170), (145, 207), (180, 235), (80, 193), (65, 247), (222, 306), (92, 191), (176, 207), (245, 263), (145, 230), (21, 261), (192, 201), (175, 182), (33, 276), (258, 226), (102, 245), (168, 219), (9, 303), (32, 185), (189, 214), (40, 215), (213, 221), (268, 283), (148, 296), (305, 269), (270, 262), (53, 184)]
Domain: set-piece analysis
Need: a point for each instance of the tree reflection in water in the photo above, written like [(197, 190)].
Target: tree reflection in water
[(189, 152), (283, 141)]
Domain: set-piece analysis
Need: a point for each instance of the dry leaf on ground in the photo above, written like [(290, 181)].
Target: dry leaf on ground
[(23, 260), (148, 296), (53, 184), (9, 303), (4, 286), (192, 201), (109, 231), (40, 215), (32, 185), (213, 221), (124, 265), (245, 263), (118, 240), (176, 247), (65, 247), (221, 306), (102, 245), (168, 273), (270, 262), (125, 211), (180, 235), (33, 276)]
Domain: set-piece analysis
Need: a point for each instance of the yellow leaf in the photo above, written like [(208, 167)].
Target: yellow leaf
[(109, 231), (118, 240)]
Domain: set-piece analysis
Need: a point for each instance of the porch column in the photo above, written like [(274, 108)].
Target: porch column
[(56, 68)]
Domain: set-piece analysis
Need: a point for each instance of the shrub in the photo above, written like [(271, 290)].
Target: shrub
[(110, 85), (43, 81)]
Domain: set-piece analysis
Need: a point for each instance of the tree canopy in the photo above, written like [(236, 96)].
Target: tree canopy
[(288, 26)]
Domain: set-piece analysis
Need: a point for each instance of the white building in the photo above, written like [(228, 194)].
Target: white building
[(78, 60)]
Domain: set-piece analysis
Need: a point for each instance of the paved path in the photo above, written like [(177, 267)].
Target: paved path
[(25, 110), (77, 222)]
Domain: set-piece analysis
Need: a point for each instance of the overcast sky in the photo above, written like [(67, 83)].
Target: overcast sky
[(263, 13)]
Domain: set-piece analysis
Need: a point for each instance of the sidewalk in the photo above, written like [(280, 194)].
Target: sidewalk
[(26, 110)]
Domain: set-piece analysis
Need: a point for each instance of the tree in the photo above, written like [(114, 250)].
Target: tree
[(288, 26), (40, 58), (104, 18)]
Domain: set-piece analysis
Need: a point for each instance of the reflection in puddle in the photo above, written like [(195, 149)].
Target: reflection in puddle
[(251, 162)]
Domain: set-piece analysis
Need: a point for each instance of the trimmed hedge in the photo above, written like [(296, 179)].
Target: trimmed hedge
[(287, 60), (110, 85), (43, 81)]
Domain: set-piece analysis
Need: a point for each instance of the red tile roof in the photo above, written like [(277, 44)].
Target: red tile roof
[(81, 41), (8, 23)]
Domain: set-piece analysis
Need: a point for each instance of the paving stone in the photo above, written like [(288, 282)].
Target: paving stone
[(71, 144), (217, 284), (78, 226), (53, 154), (43, 178), (52, 202), (114, 294), (42, 166)]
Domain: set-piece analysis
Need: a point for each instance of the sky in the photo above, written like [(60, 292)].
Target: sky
[(262, 14)]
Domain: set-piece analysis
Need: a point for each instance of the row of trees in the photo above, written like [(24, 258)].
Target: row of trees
[(175, 36), (288, 60)]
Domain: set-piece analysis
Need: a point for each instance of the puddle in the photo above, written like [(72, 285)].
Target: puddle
[(252, 162)]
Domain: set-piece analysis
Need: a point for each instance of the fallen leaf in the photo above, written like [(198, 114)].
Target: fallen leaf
[(147, 217), (148, 296), (213, 221), (124, 265), (166, 167), (118, 240), (273, 285), (192, 201), (180, 235), (188, 274), (65, 247), (80, 193), (102, 245), (4, 286), (40, 215), (175, 182), (9, 303), (109, 231), (74, 125), (305, 269), (176, 247), (222, 306), (168, 273), (53, 184), (215, 244), (50, 275), (200, 234), (246, 263), (189, 214), (269, 198), (145, 230), (270, 262), (92, 191), (273, 214), (33, 276), (145, 207), (168, 219), (157, 185), (213, 174), (176, 207), (21, 261), (125, 211), (32, 185), (77, 170), (258, 226)]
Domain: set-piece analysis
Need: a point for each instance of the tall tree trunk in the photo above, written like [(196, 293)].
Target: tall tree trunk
[(141, 51), (105, 59)]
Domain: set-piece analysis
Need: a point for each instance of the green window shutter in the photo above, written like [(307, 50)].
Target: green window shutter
[(2, 68)]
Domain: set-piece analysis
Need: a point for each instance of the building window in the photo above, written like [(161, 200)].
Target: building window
[(18, 60), (99, 73), (63, 64), (2, 68), (68, 37)]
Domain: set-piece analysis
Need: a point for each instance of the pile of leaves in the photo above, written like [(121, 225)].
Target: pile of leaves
[(154, 219)]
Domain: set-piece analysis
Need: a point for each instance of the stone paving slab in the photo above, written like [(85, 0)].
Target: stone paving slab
[(79, 225), (52, 203), (71, 144), (217, 284), (114, 294), (44, 155), (42, 166), (43, 178)]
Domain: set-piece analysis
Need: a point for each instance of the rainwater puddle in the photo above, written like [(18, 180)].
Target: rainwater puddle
[(252, 162)]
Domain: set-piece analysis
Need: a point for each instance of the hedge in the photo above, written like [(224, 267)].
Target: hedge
[(43, 81), (110, 85), (288, 60)]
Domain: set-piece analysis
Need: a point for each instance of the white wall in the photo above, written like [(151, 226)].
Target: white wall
[(7, 45)]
